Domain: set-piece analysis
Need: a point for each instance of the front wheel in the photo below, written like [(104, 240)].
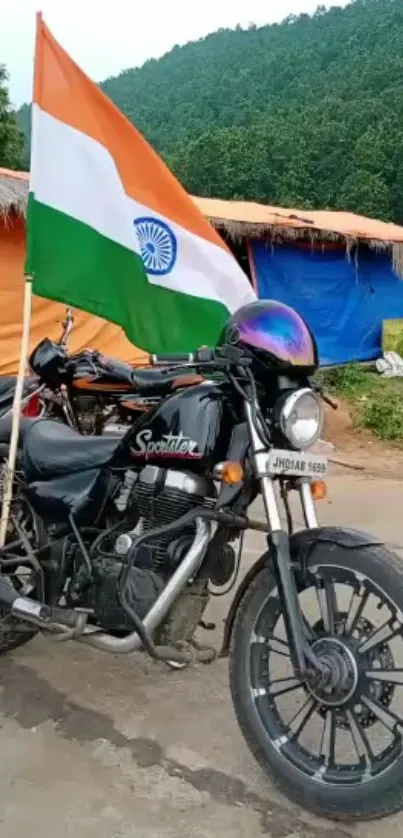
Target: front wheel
[(338, 753)]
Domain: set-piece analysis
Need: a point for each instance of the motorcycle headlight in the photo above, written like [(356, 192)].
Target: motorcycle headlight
[(301, 418)]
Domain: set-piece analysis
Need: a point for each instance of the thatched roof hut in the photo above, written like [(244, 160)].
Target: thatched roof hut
[(13, 192), (244, 220)]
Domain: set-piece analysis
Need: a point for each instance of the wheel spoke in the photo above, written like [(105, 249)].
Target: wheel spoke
[(385, 716), (361, 743), (355, 609), (285, 685), (273, 643), (383, 634), (392, 676), (279, 646), (328, 605), (328, 744), (302, 716), (309, 630)]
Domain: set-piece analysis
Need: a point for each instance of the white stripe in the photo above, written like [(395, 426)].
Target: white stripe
[(76, 175)]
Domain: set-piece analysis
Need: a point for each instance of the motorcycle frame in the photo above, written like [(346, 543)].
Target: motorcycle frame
[(279, 546)]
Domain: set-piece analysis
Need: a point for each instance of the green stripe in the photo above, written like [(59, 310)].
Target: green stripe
[(73, 264)]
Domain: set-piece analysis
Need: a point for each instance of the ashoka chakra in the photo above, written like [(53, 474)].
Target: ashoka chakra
[(158, 246)]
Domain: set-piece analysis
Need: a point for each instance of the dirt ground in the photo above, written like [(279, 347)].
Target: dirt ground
[(362, 450)]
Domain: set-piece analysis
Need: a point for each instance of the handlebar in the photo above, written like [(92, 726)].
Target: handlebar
[(68, 326), (200, 356)]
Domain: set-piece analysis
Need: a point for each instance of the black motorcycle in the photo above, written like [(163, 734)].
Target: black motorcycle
[(93, 393), (315, 626)]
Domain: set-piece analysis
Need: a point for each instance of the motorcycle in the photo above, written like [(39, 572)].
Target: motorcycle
[(313, 630), (31, 403), (93, 393)]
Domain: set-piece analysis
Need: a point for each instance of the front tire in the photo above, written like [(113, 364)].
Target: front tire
[(371, 786)]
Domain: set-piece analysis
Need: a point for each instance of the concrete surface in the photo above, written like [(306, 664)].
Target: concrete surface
[(93, 746)]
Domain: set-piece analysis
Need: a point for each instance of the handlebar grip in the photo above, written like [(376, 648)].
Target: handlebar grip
[(204, 355), (173, 358)]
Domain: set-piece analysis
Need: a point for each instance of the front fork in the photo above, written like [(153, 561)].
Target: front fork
[(301, 654)]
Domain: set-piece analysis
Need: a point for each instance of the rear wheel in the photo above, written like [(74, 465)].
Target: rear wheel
[(337, 752), (15, 633)]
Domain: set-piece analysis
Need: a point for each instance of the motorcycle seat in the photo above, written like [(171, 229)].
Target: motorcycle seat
[(5, 429), (50, 449), (7, 383), (156, 382), (7, 389)]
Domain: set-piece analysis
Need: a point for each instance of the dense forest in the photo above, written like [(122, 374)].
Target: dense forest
[(305, 113), (11, 138)]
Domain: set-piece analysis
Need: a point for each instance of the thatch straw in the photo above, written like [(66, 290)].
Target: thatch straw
[(14, 198), (13, 195)]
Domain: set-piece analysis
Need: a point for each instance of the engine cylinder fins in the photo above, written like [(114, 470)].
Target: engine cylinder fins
[(182, 481), (160, 497)]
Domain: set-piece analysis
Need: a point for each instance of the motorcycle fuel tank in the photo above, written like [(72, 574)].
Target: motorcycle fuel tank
[(190, 429)]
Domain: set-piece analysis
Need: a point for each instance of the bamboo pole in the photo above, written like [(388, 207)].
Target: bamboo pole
[(9, 467)]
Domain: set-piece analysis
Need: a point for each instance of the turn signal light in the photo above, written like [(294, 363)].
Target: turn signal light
[(318, 489), (229, 472)]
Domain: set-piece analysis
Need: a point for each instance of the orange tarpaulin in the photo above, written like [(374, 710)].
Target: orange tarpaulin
[(345, 224), (47, 316)]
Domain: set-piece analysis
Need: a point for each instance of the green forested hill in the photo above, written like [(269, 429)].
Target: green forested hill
[(308, 112)]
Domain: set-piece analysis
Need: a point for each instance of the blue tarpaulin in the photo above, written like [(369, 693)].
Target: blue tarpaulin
[(343, 302)]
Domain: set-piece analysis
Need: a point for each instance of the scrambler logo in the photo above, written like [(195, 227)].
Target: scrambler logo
[(170, 445)]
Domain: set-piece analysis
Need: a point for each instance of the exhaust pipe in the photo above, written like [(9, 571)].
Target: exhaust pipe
[(71, 623)]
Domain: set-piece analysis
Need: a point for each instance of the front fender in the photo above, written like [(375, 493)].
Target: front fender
[(301, 544)]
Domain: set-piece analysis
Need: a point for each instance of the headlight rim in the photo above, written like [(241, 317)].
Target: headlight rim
[(285, 413)]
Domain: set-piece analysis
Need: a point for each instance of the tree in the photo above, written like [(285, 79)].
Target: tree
[(306, 113), (11, 138)]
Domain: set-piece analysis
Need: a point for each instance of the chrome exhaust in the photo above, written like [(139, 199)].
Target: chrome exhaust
[(73, 623)]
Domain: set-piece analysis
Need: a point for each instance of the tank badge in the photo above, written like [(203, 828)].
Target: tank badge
[(176, 446)]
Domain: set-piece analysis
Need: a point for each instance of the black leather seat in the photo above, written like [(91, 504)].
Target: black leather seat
[(7, 382), (155, 382), (50, 449), (145, 382), (5, 429)]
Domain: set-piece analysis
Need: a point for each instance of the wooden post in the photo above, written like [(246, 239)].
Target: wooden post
[(9, 467)]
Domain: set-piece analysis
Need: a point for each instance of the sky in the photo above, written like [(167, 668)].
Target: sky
[(105, 38)]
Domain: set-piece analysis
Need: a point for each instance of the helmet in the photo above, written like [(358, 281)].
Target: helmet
[(274, 334)]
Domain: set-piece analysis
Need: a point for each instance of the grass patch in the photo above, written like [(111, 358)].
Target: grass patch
[(376, 402), (348, 380)]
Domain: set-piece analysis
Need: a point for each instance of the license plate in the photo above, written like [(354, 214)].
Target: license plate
[(296, 463)]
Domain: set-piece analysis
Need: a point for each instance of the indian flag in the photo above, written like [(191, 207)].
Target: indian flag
[(110, 229)]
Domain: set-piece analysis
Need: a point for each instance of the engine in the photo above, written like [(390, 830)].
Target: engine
[(153, 498), (90, 412), (160, 497)]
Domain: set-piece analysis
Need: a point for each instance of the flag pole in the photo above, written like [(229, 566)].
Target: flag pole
[(9, 467)]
